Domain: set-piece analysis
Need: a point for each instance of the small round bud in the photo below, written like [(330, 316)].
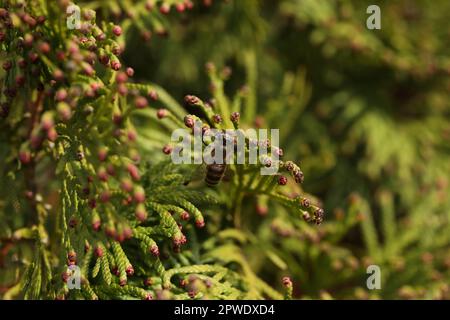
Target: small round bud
[(299, 177), (180, 7), (44, 47), (111, 170), (235, 116), (133, 171), (164, 8), (267, 162), (289, 165), (287, 282), (72, 256), (282, 180), (110, 231), (153, 95), (161, 113), (141, 213), (52, 134), (217, 118), (304, 202), (200, 223), (154, 250), (33, 56), (189, 4), (130, 72), (117, 30), (185, 215), (47, 121), (120, 237), (102, 154), (189, 121), (140, 102), (167, 149), (319, 213), (99, 251), (121, 77), (139, 194), (132, 135), (25, 157), (129, 270), (104, 59), (179, 240), (262, 210), (192, 100), (58, 75), (115, 65), (148, 296)]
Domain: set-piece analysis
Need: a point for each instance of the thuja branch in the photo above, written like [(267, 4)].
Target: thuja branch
[(247, 178)]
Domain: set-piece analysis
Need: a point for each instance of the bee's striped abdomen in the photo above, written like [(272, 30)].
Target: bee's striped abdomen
[(214, 173)]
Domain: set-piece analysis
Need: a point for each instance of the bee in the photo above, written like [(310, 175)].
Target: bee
[(215, 172), (210, 174)]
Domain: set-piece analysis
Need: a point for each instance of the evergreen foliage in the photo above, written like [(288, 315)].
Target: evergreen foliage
[(86, 178)]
